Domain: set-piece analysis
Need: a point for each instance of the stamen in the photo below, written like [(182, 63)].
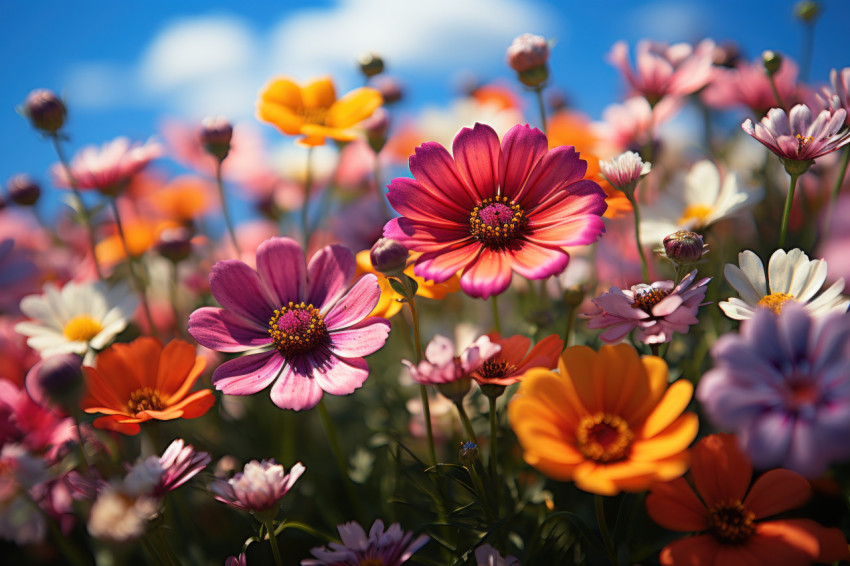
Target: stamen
[(82, 328), (647, 297), (145, 399), (604, 438), (298, 329), (802, 142), (495, 369), (731, 522), (775, 301), (497, 222)]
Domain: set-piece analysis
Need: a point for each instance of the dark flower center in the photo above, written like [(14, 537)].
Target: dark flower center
[(647, 297), (314, 115), (497, 222), (604, 438), (803, 142), (731, 522), (495, 369), (145, 399), (297, 329)]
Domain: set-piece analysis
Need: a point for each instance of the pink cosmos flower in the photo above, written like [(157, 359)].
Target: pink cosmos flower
[(442, 366), (259, 487), (796, 136), (664, 69), (625, 170), (491, 210), (180, 462), (748, 85), (839, 95), (109, 167), (316, 326), (656, 311), (390, 548), (634, 123)]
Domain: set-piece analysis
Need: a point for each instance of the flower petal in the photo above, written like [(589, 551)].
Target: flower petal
[(490, 274), (356, 304), (238, 288), (362, 339), (248, 374), (281, 266), (777, 491), (328, 274), (295, 390), (224, 331), (478, 157)]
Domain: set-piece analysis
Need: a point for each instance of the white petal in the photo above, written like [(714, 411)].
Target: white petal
[(742, 284)]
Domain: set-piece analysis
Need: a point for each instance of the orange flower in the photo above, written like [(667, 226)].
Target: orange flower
[(388, 305), (140, 381), (141, 233), (729, 512), (514, 359), (314, 111), (608, 421), (184, 199)]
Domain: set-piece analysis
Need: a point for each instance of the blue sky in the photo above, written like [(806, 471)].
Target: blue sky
[(124, 66)]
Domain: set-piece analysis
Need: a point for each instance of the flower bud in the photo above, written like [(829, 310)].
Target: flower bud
[(389, 87), (528, 52), (23, 190), (456, 390), (468, 453), (377, 126), (388, 256), (215, 135), (58, 379), (371, 64), (45, 110), (772, 62), (684, 247), (807, 11), (174, 244)]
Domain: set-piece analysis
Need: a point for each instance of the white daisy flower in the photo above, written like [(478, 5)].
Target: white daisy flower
[(75, 318), (791, 277), (694, 202)]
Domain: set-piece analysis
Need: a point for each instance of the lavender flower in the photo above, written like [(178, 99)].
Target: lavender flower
[(390, 548), (259, 487)]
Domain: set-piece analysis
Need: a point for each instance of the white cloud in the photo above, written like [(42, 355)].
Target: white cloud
[(100, 83)]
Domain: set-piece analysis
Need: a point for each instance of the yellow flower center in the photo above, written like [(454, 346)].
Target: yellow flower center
[(82, 328), (497, 223), (604, 438), (314, 115), (297, 329), (802, 142), (695, 215), (731, 522), (775, 301), (145, 399)]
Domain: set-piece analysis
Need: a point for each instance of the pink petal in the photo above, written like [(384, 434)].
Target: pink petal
[(361, 339), (341, 377), (557, 169), (328, 275), (578, 231), (489, 275), (667, 305), (249, 374), (432, 166), (424, 239), (443, 264), (537, 262), (238, 288), (295, 390), (356, 304), (522, 148), (581, 197), (280, 263), (414, 202), (224, 331), (478, 157)]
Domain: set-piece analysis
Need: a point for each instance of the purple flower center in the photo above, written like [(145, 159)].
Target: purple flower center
[(297, 329), (497, 223)]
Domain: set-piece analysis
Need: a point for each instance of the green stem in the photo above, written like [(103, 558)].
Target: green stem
[(173, 288), (599, 504), (303, 528), (497, 326), (273, 541), (71, 553), (84, 211), (836, 188), (644, 269), (542, 107), (494, 440), (220, 184), (131, 263), (786, 213), (339, 456), (426, 414), (571, 320), (84, 463), (423, 393), (308, 186), (163, 548), (775, 90), (464, 418)]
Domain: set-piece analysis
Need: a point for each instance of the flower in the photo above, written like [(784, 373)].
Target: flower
[(493, 209), (791, 277), (509, 364), (121, 514), (142, 380), (782, 385), (683, 247), (839, 95), (528, 55), (625, 170), (387, 548), (656, 311), (36, 428), (179, 463), (108, 168), (664, 69), (313, 110), (260, 487), (635, 123), (748, 85), (695, 201), (486, 555), (442, 366), (317, 326), (607, 421), (729, 513), (795, 137), (45, 110), (76, 318)]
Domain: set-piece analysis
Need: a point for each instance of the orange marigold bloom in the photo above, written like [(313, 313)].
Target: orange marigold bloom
[(184, 199), (514, 359), (388, 305), (608, 421), (142, 380), (314, 111), (728, 511)]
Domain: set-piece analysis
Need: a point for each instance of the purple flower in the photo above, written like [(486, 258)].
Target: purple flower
[(316, 325), (783, 385), (390, 548), (796, 136), (656, 311), (180, 463), (259, 487)]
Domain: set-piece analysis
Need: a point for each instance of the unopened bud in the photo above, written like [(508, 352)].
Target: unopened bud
[(684, 247), (371, 64), (215, 135), (45, 110), (807, 11), (377, 127), (388, 256), (772, 62), (528, 52), (23, 190), (58, 379), (468, 453), (175, 244), (389, 87)]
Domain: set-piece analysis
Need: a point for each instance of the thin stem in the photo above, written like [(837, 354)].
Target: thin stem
[(786, 213), (273, 541), (464, 418), (173, 288), (71, 553), (497, 326), (644, 269), (84, 463), (426, 414), (423, 393), (571, 320), (339, 456), (220, 184), (494, 439), (655, 349), (131, 262), (163, 548), (541, 106), (836, 188), (599, 504), (84, 211), (308, 185), (775, 90)]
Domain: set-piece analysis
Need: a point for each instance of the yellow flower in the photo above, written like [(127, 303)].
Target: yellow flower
[(608, 421), (388, 305), (314, 111)]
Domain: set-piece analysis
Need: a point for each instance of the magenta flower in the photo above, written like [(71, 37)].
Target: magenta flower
[(491, 210), (783, 385), (259, 487), (108, 168), (390, 548), (748, 85), (663, 69), (316, 325), (180, 463), (839, 95), (797, 137), (442, 366), (656, 311)]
